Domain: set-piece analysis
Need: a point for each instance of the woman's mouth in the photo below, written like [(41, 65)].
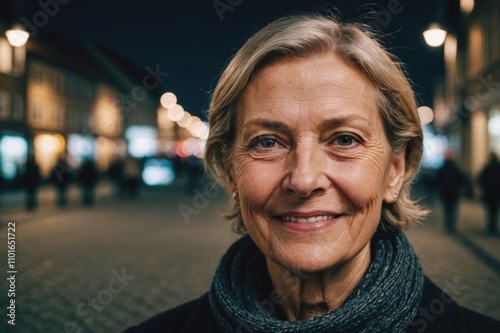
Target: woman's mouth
[(311, 219)]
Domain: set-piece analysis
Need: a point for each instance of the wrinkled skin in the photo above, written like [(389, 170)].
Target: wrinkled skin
[(311, 143)]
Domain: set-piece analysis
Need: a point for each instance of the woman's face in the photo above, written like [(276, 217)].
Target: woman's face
[(311, 163)]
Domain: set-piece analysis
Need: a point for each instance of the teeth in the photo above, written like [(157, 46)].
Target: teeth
[(308, 219)]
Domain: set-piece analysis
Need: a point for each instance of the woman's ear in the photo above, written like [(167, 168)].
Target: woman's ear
[(230, 183), (396, 176)]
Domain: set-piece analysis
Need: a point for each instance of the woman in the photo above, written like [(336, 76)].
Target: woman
[(314, 131)]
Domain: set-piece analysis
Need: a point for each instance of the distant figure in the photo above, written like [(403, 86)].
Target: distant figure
[(489, 180), (193, 170), (61, 177), (115, 174), (88, 180), (450, 180), (132, 176), (31, 180)]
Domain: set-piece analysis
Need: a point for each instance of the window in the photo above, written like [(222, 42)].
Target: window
[(86, 89), (37, 74), (37, 112), (72, 86), (57, 82), (56, 116), (17, 107), (4, 105)]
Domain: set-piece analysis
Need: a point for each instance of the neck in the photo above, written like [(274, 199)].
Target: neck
[(307, 295)]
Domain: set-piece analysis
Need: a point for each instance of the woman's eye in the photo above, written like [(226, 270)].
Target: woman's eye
[(265, 143), (345, 140)]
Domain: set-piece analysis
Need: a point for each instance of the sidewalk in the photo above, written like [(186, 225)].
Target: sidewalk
[(12, 202), (465, 264), (471, 230)]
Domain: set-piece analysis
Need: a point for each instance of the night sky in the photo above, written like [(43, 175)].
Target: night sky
[(193, 41)]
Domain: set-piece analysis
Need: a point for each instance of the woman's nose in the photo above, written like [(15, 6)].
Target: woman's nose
[(306, 172)]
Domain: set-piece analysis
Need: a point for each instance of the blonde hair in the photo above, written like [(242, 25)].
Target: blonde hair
[(305, 35)]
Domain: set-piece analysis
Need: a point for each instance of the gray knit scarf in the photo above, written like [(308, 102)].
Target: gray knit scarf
[(385, 300)]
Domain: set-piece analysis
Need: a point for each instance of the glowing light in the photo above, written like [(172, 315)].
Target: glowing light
[(142, 140), (49, 143), (13, 145), (158, 172), (17, 36), (168, 100), (426, 115), (13, 150), (434, 35), (175, 113), (186, 120), (494, 125), (466, 6)]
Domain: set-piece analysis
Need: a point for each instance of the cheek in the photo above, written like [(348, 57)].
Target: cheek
[(256, 182), (361, 181)]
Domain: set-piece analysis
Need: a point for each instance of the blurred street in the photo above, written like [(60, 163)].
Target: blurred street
[(104, 268)]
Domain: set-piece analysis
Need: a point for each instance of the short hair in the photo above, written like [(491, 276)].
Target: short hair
[(300, 36)]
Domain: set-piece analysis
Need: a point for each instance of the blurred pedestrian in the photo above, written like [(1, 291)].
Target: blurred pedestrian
[(489, 180), (61, 178), (115, 174), (31, 180), (88, 177), (132, 176), (450, 181), (194, 170)]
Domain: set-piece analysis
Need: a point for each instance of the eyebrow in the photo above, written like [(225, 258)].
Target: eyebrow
[(342, 120), (265, 123), (281, 127)]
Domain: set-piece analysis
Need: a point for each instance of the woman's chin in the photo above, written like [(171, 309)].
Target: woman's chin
[(307, 262)]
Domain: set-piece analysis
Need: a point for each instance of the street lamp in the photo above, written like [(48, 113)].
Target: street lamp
[(434, 35), (17, 36)]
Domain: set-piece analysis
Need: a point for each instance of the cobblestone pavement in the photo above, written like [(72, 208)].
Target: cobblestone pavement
[(104, 268)]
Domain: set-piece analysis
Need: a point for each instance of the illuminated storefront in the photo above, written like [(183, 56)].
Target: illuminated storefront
[(142, 141), (494, 130), (48, 148), (13, 153), (80, 148)]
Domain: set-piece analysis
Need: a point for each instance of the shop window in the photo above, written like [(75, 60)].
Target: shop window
[(494, 130)]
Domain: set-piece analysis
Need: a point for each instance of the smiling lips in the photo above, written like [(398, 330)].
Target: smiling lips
[(311, 219)]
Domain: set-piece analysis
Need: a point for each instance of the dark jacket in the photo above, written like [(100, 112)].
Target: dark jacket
[(450, 180), (437, 313)]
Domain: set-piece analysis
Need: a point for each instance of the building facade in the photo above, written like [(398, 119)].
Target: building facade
[(468, 105), (57, 100), (14, 132)]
